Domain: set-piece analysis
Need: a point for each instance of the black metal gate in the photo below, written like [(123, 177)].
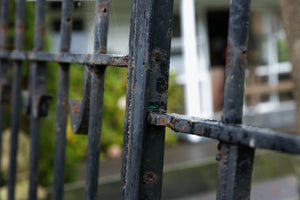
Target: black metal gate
[(147, 88)]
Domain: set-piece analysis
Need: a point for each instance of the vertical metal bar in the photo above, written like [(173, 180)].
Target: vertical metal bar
[(236, 162), (38, 87), (15, 108), (4, 24), (150, 39), (62, 102), (96, 101), (16, 95), (34, 156), (3, 68)]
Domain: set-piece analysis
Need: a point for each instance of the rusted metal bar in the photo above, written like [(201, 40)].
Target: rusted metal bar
[(39, 101), (1, 129), (62, 102), (234, 134), (235, 163), (4, 86), (4, 24), (87, 59), (80, 110), (149, 57), (16, 96), (118, 60), (96, 101)]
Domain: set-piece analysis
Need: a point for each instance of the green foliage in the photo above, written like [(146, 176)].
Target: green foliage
[(113, 119), (175, 96), (175, 105), (282, 50), (114, 107), (112, 129)]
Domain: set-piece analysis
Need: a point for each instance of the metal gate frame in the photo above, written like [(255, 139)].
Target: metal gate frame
[(147, 90)]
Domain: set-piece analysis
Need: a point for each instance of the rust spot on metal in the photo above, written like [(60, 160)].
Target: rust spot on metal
[(65, 103), (134, 6), (150, 177), (102, 50), (76, 108), (157, 57), (199, 132), (163, 121), (172, 124), (103, 8), (56, 57), (125, 59), (42, 30), (20, 27), (4, 29), (184, 128), (158, 119), (125, 181), (36, 101)]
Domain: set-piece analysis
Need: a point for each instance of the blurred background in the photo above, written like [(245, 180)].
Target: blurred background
[(197, 67)]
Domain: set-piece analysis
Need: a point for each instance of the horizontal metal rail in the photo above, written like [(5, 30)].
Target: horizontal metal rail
[(235, 134), (118, 60)]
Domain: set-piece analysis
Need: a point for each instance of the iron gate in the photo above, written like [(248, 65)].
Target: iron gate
[(147, 88)]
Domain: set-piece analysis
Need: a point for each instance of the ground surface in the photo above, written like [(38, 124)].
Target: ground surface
[(282, 188)]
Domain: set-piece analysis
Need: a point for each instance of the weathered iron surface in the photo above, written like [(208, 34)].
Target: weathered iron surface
[(80, 109), (62, 101), (235, 164), (16, 96), (41, 105), (88, 59), (230, 133), (4, 85), (100, 60), (147, 88), (39, 100), (96, 101), (4, 24)]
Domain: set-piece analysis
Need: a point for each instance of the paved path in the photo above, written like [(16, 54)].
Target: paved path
[(282, 188)]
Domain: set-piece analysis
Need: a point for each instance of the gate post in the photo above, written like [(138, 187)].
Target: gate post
[(147, 87), (236, 162)]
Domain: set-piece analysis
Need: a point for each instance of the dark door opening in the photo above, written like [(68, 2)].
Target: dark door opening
[(217, 30)]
